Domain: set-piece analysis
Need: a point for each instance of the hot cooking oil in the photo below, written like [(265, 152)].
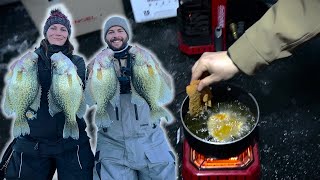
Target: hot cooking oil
[(224, 122)]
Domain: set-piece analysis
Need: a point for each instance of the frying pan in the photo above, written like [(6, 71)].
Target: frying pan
[(223, 93)]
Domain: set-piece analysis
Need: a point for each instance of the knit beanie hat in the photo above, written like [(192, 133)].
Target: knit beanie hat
[(116, 21), (57, 17)]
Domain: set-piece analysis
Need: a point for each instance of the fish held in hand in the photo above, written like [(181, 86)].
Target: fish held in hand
[(102, 87), (22, 92), (198, 101), (66, 94), (151, 84)]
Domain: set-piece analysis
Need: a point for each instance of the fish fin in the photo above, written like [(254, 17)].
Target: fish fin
[(82, 109), (165, 76), (80, 81), (70, 80), (7, 109), (71, 129), (150, 70), (53, 107), (21, 126), (166, 95), (102, 118), (30, 114), (8, 76), (159, 113), (19, 76), (135, 97), (115, 101), (99, 74), (36, 103), (88, 95), (13, 65)]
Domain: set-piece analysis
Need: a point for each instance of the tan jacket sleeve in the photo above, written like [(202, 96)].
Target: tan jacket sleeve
[(287, 24)]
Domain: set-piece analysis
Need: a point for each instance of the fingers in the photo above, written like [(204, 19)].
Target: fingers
[(207, 81), (194, 66), (198, 69)]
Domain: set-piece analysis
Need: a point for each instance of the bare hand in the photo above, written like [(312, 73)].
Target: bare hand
[(218, 64)]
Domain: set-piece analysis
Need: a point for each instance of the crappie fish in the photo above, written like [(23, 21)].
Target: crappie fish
[(102, 86), (66, 94), (151, 83), (21, 92)]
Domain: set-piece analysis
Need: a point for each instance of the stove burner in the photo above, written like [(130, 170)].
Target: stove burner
[(197, 166), (241, 161)]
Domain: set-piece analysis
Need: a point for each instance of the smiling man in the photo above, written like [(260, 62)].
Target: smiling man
[(116, 36), (133, 146)]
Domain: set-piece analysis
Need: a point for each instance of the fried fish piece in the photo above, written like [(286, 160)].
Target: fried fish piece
[(198, 100)]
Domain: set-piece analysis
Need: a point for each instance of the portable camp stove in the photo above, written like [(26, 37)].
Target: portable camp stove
[(196, 166)]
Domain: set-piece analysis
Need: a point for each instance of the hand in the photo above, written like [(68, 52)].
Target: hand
[(89, 69), (218, 64)]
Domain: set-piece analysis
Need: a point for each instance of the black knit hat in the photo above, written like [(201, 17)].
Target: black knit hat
[(57, 17)]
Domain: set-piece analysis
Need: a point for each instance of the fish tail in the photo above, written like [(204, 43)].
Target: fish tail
[(102, 119), (71, 129), (159, 113), (20, 127)]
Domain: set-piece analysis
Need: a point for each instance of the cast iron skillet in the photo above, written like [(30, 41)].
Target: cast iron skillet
[(223, 93)]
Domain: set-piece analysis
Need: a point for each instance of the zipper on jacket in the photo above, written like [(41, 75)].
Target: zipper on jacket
[(117, 113), (79, 157), (36, 147), (20, 168), (136, 112)]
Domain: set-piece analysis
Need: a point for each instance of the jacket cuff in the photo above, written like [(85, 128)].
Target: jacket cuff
[(244, 56)]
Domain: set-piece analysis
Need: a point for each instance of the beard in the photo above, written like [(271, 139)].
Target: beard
[(124, 43)]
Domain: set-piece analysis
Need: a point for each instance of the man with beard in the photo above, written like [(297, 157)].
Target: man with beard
[(132, 147)]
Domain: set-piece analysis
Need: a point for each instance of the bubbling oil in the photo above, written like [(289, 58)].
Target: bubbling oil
[(224, 122)]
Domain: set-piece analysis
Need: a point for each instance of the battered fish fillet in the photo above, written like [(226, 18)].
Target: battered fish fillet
[(198, 100)]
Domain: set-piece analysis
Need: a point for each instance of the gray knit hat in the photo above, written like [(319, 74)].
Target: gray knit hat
[(116, 21), (57, 17)]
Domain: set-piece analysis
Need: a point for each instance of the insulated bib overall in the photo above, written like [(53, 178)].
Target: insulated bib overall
[(132, 147)]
